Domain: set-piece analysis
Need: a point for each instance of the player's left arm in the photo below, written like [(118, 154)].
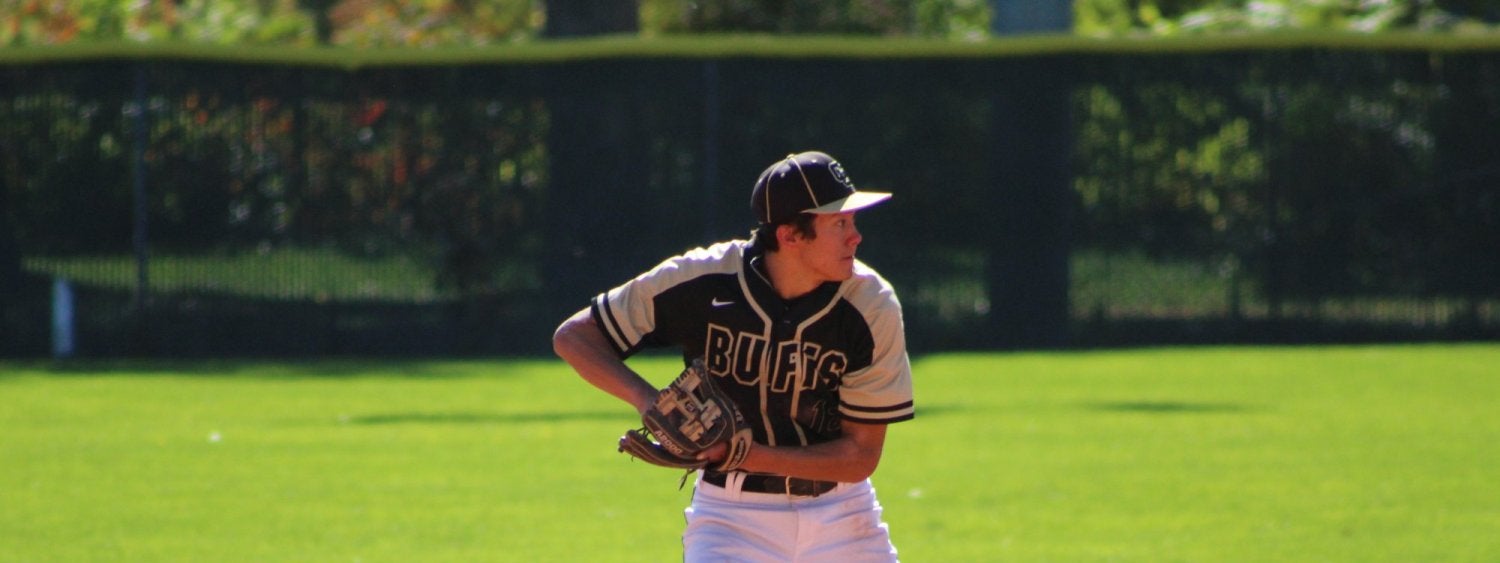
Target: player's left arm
[(850, 458)]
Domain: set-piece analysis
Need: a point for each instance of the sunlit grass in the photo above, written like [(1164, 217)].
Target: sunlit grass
[(1215, 454)]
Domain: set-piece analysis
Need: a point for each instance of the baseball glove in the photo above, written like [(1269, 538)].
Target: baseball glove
[(690, 416)]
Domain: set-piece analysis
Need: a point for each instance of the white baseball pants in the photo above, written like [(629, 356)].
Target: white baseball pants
[(842, 525)]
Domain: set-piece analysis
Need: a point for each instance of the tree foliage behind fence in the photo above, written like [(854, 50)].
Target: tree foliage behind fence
[(1261, 194)]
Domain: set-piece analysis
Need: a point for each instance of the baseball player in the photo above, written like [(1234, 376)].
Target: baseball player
[(809, 344)]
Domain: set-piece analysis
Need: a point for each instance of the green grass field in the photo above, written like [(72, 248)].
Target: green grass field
[(1208, 454)]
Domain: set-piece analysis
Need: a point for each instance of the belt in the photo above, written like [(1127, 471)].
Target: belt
[(774, 484)]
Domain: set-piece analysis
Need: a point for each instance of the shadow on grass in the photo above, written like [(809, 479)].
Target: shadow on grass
[(339, 368), (1167, 407), (488, 418), (622, 416), (928, 411)]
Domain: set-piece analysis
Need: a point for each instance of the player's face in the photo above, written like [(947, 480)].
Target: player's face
[(830, 256)]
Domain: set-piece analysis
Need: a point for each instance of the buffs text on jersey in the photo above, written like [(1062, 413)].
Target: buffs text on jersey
[(743, 355)]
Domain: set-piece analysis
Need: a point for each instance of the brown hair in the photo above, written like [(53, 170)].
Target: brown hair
[(764, 235)]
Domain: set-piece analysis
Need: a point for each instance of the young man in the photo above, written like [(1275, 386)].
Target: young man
[(809, 343)]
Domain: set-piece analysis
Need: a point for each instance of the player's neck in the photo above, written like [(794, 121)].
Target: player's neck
[(787, 277)]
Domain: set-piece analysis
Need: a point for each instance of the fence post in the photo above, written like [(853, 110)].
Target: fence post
[(1028, 245), (139, 331), (62, 319), (138, 188), (711, 211)]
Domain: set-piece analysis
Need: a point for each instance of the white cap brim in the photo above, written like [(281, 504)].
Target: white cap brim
[(853, 202)]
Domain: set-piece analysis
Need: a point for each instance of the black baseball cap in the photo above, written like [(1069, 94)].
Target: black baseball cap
[(807, 182)]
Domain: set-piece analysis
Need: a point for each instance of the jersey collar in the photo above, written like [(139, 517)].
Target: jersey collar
[(764, 294)]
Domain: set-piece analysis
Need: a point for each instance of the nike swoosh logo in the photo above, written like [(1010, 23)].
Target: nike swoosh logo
[(718, 303)]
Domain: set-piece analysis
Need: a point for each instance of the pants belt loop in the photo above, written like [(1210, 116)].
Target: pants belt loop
[(734, 484)]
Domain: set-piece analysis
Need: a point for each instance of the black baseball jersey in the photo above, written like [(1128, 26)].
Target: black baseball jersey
[(796, 368)]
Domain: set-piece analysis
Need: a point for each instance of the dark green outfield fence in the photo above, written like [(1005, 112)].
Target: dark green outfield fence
[(197, 201)]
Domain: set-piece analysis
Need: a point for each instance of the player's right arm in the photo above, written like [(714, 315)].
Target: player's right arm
[(596, 339), (580, 343)]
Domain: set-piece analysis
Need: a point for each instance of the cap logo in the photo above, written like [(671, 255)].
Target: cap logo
[(839, 174)]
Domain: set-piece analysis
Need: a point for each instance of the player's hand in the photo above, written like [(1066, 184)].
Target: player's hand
[(714, 454)]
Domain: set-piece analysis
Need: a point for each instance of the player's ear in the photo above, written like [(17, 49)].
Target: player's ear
[(787, 234)]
